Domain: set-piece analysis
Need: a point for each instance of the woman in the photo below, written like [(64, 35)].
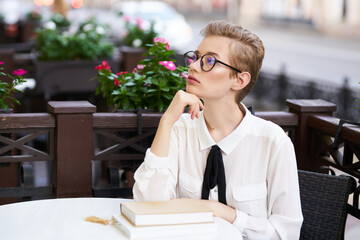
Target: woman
[(242, 166)]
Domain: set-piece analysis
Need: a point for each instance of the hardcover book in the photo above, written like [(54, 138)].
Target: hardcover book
[(198, 231), (177, 211)]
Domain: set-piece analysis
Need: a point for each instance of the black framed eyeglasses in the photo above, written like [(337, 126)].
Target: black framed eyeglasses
[(207, 61)]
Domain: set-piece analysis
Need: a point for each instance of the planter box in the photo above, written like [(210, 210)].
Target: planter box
[(28, 30), (67, 77), (130, 57)]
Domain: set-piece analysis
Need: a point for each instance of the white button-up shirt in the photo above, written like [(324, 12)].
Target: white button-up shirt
[(260, 171)]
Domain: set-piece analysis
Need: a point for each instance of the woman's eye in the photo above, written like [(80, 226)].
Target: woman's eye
[(210, 61)]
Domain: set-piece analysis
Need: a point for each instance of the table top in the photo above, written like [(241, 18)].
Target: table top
[(64, 219)]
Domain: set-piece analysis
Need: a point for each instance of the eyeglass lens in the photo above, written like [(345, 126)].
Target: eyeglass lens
[(207, 62)]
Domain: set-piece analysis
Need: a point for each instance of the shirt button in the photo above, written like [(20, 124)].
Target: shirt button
[(215, 190)]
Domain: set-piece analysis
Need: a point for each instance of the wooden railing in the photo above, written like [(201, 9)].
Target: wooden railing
[(338, 147), (89, 152), (19, 134)]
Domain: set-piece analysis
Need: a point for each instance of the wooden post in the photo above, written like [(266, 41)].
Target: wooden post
[(9, 173), (304, 108), (72, 174)]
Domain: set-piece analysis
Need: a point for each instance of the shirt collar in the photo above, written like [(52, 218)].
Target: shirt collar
[(206, 141), (228, 143)]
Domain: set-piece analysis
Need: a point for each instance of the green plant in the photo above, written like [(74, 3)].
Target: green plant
[(33, 16), (136, 35), (7, 89), (60, 21), (88, 42), (151, 85)]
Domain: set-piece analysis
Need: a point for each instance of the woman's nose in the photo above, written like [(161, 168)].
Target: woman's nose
[(195, 66)]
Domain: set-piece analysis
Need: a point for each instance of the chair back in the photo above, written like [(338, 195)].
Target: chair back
[(324, 202)]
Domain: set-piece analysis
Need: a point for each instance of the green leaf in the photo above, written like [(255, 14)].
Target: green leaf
[(129, 84), (165, 89), (151, 90)]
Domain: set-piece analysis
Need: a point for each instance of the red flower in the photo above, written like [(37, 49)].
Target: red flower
[(1, 62), (121, 73), (116, 82), (19, 72), (103, 65)]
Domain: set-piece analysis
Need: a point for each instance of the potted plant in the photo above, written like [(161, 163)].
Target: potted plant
[(135, 40), (136, 34), (8, 88), (151, 85), (65, 59), (60, 21), (32, 21)]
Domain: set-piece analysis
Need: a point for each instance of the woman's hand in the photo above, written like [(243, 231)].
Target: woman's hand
[(178, 104), (161, 142), (220, 210)]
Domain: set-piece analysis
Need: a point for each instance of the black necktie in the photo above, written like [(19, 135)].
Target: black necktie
[(214, 175)]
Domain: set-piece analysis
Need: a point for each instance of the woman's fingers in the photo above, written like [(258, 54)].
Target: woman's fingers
[(194, 110), (180, 101), (194, 106)]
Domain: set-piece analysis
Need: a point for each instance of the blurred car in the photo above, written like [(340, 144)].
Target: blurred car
[(13, 10), (168, 23)]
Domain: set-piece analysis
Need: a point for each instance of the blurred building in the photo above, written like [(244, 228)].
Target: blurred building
[(340, 17)]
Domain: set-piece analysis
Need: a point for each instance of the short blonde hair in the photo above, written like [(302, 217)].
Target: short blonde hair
[(247, 50)]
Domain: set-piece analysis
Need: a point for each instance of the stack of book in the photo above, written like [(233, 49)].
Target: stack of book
[(166, 219)]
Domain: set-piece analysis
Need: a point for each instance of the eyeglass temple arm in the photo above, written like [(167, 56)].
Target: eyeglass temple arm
[(229, 66)]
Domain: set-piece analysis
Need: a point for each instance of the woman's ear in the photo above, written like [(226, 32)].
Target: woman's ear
[(241, 80)]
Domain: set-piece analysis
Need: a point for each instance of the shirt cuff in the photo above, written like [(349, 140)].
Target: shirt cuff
[(153, 161), (240, 220)]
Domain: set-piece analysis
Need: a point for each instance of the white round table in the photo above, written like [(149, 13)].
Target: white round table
[(64, 219)]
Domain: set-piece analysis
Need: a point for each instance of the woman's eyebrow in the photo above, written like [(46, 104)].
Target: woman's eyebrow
[(210, 53), (213, 53)]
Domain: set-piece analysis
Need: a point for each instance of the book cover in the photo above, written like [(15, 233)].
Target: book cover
[(184, 231), (177, 211)]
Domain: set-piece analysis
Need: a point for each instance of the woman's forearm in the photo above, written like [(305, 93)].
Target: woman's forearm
[(161, 142), (221, 210)]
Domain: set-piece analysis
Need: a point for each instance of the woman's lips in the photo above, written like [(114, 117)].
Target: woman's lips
[(192, 80)]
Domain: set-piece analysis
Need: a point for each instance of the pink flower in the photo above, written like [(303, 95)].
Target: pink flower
[(162, 40), (1, 63), (127, 18), (163, 63), (116, 82), (184, 75), (139, 22), (103, 65), (121, 73), (168, 64), (19, 72), (140, 66)]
